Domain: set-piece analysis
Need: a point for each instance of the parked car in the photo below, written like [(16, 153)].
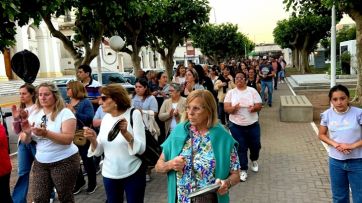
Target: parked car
[(114, 77)]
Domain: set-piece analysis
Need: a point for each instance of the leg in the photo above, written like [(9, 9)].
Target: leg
[(238, 134), (88, 165), (114, 189), (355, 179), (263, 86), (42, 182), (254, 144), (25, 161), (135, 186), (5, 188), (221, 113), (64, 174), (270, 92), (276, 81), (339, 181)]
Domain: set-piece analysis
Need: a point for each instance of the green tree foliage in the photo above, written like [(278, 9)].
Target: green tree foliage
[(354, 9), (301, 34), (174, 24), (221, 42)]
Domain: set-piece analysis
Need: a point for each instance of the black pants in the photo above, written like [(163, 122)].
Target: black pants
[(89, 166), (5, 189)]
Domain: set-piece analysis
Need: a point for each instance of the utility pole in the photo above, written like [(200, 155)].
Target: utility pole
[(333, 47)]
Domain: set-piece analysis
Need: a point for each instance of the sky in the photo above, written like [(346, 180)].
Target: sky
[(255, 18)]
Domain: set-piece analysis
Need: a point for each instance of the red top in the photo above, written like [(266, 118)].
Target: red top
[(5, 165)]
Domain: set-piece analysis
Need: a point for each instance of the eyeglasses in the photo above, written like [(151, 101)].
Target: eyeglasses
[(195, 109), (103, 98), (239, 78), (43, 123)]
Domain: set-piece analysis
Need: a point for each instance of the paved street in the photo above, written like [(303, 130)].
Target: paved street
[(293, 166)]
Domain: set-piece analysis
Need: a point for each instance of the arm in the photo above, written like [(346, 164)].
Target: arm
[(256, 108), (65, 137), (85, 113), (323, 136), (176, 164), (226, 184), (165, 115), (230, 109)]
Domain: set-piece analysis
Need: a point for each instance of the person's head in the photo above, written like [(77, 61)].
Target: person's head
[(240, 80), (201, 110), (27, 95), (141, 88), (213, 71), (180, 71), (206, 69), (48, 96), (114, 98), (152, 75), (339, 97), (84, 71), (191, 76), (140, 74), (76, 90), (226, 71), (175, 90), (251, 73), (162, 78), (243, 65)]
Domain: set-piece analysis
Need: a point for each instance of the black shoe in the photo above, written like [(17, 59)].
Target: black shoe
[(91, 189), (78, 188), (270, 105)]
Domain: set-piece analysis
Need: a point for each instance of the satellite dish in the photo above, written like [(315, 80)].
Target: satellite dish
[(25, 65), (116, 43)]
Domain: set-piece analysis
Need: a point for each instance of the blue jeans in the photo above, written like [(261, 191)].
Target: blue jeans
[(134, 186), (248, 137), (345, 174), (268, 84), (26, 156)]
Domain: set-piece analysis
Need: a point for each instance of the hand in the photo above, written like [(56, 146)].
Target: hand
[(123, 126), (189, 87), (251, 108), (41, 132), (89, 133), (230, 77), (155, 93), (224, 84), (178, 163), (15, 112), (175, 112), (236, 107), (224, 187), (172, 112)]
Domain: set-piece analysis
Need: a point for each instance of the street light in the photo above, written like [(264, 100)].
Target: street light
[(116, 43)]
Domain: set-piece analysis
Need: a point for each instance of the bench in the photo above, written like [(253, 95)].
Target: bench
[(295, 109)]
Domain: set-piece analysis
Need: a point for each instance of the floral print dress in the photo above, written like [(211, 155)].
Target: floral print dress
[(204, 165)]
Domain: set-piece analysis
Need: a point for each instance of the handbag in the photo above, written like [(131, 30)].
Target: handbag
[(79, 138), (210, 197)]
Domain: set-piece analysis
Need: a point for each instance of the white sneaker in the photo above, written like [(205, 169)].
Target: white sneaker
[(148, 178), (254, 166), (243, 176)]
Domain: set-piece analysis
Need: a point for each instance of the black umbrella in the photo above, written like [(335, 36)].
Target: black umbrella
[(26, 65)]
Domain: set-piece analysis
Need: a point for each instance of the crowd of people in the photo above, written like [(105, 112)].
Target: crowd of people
[(207, 121)]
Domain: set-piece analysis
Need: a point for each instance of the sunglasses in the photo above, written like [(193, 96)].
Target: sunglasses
[(43, 123), (103, 98)]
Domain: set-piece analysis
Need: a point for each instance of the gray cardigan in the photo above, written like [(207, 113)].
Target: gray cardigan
[(164, 114)]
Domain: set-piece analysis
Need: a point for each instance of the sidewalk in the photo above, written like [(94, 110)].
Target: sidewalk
[(292, 166)]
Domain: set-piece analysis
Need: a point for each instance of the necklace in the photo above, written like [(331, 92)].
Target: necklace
[(340, 113)]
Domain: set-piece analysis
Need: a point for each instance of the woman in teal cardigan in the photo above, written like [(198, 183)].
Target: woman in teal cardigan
[(199, 152)]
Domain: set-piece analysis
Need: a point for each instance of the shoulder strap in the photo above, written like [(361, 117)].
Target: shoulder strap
[(130, 117)]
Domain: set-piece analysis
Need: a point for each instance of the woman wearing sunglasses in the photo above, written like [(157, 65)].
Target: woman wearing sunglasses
[(52, 127), (83, 111), (121, 169)]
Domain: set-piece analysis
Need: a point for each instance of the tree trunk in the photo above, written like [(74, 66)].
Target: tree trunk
[(294, 58), (168, 62), (136, 61), (304, 65), (357, 17)]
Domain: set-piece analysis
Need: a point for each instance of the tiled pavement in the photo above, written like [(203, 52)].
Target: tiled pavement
[(293, 166)]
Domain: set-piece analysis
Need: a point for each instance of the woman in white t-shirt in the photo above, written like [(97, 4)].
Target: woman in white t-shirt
[(52, 127), (243, 103)]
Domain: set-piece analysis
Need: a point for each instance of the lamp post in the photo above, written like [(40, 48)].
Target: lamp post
[(116, 43), (333, 47)]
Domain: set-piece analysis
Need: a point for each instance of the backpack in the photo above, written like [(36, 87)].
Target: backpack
[(153, 150)]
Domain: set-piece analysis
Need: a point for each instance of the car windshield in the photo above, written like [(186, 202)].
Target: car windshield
[(110, 78)]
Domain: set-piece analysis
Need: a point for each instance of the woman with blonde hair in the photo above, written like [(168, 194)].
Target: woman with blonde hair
[(83, 111), (52, 127), (199, 152)]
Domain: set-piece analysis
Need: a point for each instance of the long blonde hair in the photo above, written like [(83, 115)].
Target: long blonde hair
[(59, 102), (209, 104)]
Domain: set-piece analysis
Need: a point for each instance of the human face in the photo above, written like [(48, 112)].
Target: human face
[(140, 89), (69, 92), (46, 97), (240, 81), (182, 71), (197, 114), (339, 101), (251, 74), (189, 77), (173, 92), (82, 75), (25, 96), (164, 78), (107, 103), (226, 72)]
